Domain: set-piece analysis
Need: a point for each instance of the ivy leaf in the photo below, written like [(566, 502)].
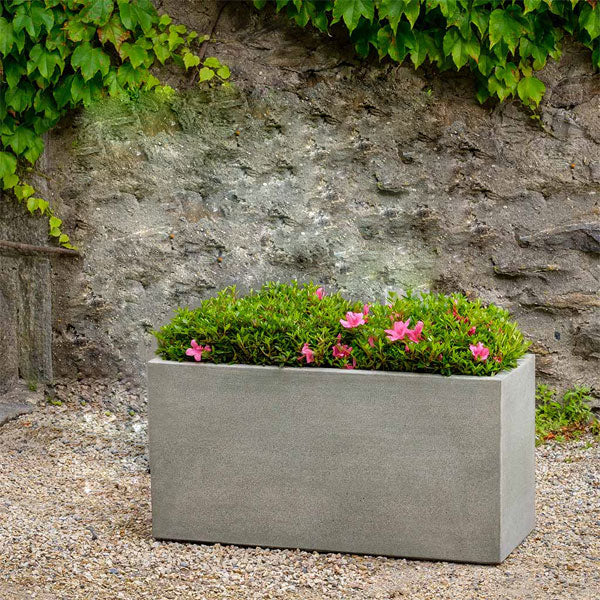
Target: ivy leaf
[(213, 62), (62, 91), (190, 60), (113, 32), (589, 19), (9, 181), (20, 98), (136, 54), (90, 60), (206, 74), (460, 49), (97, 12), (351, 11), (20, 140), (224, 72), (531, 90), (7, 38), (8, 165), (44, 62), (133, 15), (78, 31), (504, 27), (392, 10)]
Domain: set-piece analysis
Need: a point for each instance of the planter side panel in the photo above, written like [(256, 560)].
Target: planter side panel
[(518, 455), (377, 463)]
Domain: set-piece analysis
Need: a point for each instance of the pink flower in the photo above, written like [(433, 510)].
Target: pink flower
[(497, 359), (320, 293), (371, 341), (414, 335), (398, 331), (307, 353), (341, 350), (351, 366), (479, 352), (471, 331), (196, 350), (353, 320), (366, 308)]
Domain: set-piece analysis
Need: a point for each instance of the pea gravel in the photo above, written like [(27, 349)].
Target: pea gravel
[(75, 524)]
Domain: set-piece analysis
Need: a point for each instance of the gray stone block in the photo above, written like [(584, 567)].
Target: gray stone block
[(397, 464)]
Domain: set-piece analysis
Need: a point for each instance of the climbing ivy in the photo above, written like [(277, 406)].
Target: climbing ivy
[(502, 41), (56, 55)]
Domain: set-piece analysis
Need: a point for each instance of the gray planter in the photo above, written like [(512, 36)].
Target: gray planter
[(399, 464)]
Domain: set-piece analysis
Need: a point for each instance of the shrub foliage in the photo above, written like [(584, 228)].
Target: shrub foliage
[(274, 325), (560, 421)]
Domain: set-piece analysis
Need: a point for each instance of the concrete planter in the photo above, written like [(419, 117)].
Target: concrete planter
[(398, 464)]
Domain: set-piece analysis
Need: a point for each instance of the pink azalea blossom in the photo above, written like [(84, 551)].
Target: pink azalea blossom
[(353, 320), (320, 293), (366, 309), (196, 350), (471, 331), (341, 350), (371, 341), (479, 351), (398, 331), (414, 335), (307, 353), (497, 359), (351, 366)]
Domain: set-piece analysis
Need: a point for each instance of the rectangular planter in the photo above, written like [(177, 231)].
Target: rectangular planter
[(373, 462)]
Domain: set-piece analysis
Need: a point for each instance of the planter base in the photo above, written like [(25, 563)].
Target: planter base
[(397, 464)]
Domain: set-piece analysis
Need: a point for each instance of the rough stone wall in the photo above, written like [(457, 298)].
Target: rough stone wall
[(366, 178), (25, 301)]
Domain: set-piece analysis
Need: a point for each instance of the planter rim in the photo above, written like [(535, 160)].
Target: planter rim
[(349, 372)]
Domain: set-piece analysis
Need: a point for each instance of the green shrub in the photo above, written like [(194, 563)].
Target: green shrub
[(274, 325), (564, 420)]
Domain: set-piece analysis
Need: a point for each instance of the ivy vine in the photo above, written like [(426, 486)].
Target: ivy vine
[(502, 41), (56, 55)]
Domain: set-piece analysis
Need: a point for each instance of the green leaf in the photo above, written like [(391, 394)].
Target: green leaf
[(7, 37), (90, 60), (32, 204), (531, 90), (45, 62), (22, 192), (190, 60), (206, 74), (78, 31), (224, 72), (9, 181), (113, 32), (213, 62), (63, 239), (504, 27), (20, 98), (133, 15), (460, 49), (136, 54), (589, 19), (55, 222), (97, 12), (164, 21), (351, 11), (8, 165)]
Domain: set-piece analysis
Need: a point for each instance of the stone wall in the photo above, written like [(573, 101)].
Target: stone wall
[(367, 178), (25, 301)]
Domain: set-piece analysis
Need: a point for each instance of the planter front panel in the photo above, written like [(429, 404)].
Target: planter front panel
[(347, 461)]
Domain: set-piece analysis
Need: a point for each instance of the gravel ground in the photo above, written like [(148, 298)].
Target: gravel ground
[(75, 524)]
